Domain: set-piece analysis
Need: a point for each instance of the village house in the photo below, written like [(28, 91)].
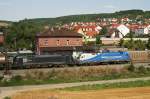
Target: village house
[(118, 31), (57, 40), (89, 31), (114, 33), (143, 30)]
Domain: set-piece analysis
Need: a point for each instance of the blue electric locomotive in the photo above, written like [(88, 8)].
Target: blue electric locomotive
[(102, 57)]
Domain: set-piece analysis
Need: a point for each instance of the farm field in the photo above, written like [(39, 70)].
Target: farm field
[(121, 93)]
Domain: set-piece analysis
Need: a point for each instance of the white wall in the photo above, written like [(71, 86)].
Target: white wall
[(123, 29)]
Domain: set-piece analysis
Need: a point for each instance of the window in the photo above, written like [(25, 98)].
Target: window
[(67, 42), (46, 42), (58, 43), (83, 29), (78, 42)]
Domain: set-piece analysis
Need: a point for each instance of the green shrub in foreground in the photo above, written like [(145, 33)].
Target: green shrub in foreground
[(7, 98)]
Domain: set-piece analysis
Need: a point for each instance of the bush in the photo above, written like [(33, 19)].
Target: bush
[(17, 78), (131, 68), (142, 69), (1, 78), (7, 98), (148, 69)]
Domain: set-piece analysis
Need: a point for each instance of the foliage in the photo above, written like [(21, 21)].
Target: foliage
[(131, 68), (17, 78), (7, 98), (104, 31), (134, 44), (81, 74), (121, 42), (1, 78), (142, 69), (148, 44), (22, 35), (98, 39)]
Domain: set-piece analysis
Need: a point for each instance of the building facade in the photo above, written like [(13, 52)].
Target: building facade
[(53, 40), (1, 38)]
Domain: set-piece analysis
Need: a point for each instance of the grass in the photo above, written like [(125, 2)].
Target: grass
[(109, 86), (74, 75), (15, 82)]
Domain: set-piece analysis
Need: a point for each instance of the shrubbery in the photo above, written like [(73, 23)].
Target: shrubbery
[(66, 75), (1, 78), (131, 68), (7, 98)]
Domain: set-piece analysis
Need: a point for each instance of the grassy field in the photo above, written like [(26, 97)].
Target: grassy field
[(141, 90), (109, 86), (76, 75)]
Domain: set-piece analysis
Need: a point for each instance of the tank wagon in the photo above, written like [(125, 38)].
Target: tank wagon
[(2, 60)]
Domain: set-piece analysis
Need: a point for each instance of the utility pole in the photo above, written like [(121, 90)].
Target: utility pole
[(7, 67)]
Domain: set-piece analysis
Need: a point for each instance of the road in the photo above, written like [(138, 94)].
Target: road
[(8, 91)]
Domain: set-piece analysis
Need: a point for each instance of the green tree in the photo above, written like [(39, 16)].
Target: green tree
[(98, 39), (104, 31), (148, 44), (22, 35), (139, 45), (121, 42), (131, 41)]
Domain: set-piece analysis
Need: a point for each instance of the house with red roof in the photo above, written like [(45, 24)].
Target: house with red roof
[(89, 31), (118, 31)]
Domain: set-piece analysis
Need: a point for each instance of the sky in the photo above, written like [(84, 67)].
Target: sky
[(14, 10)]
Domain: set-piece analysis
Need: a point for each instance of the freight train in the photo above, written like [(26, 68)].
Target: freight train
[(76, 58), (28, 60)]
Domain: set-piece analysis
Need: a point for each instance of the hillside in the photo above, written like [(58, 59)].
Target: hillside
[(91, 17), (87, 17), (24, 31)]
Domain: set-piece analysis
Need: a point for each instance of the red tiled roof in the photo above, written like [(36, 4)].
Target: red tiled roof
[(91, 33), (115, 25), (86, 27), (58, 33)]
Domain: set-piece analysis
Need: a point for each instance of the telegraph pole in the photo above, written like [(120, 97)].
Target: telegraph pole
[(6, 65)]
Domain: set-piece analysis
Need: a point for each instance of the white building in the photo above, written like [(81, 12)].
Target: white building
[(123, 30), (143, 30), (119, 31)]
